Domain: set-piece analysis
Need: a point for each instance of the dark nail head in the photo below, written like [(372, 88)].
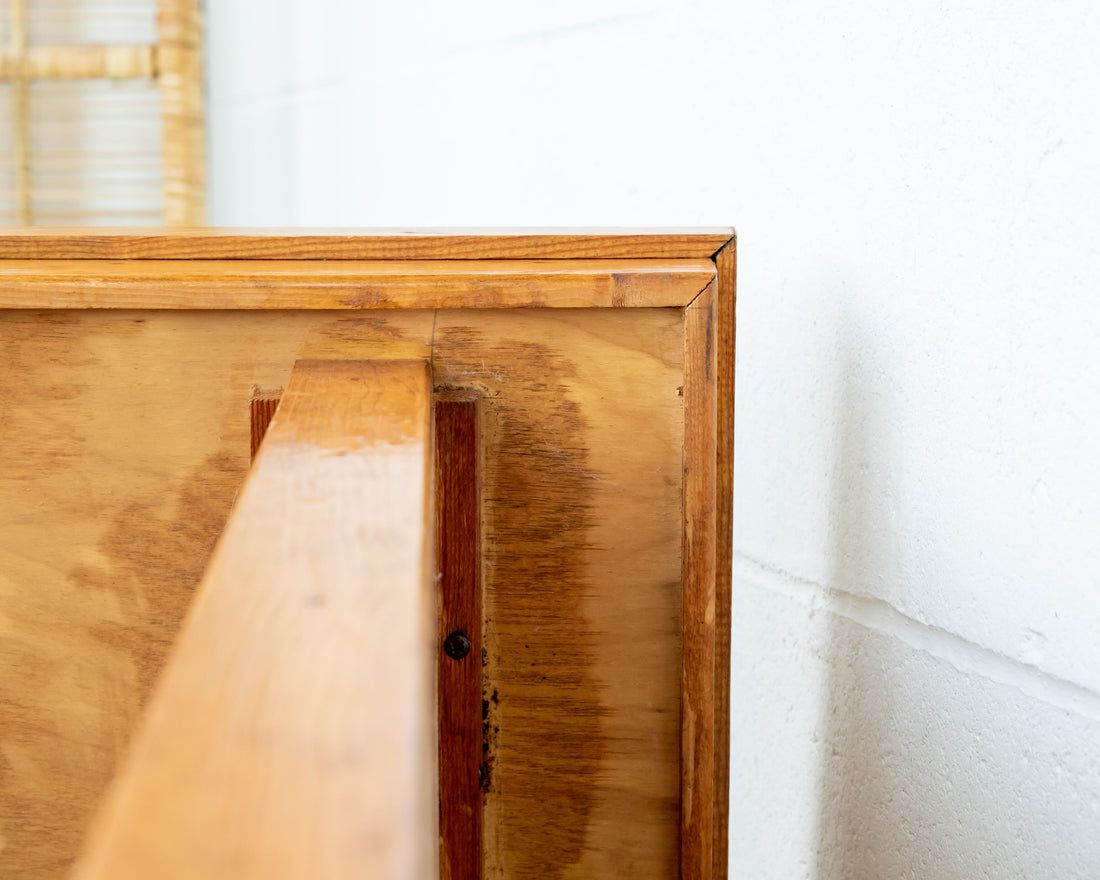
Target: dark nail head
[(456, 645)]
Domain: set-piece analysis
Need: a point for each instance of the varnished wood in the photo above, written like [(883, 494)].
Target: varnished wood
[(725, 305), (121, 284), (364, 244), (582, 428), (458, 558), (698, 702), (293, 732)]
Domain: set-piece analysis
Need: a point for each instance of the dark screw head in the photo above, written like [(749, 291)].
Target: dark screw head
[(456, 645)]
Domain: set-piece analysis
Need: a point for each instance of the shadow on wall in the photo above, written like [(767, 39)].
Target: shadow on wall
[(931, 770), (891, 745), (856, 819)]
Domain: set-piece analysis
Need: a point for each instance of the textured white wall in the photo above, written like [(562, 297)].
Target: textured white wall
[(916, 669)]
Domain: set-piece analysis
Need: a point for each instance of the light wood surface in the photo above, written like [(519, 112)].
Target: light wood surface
[(124, 441), (209, 284), (582, 427), (293, 732), (697, 709), (363, 244)]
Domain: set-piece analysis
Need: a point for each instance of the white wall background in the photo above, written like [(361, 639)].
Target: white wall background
[(916, 664)]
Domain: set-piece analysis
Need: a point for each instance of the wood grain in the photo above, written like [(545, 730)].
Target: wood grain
[(458, 558), (697, 709), (725, 305), (293, 732), (364, 244), (124, 441), (261, 408), (582, 427), (210, 284)]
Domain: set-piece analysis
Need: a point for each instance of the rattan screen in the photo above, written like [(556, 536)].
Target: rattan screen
[(101, 113)]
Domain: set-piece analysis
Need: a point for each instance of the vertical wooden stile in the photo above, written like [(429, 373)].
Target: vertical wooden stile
[(725, 290), (20, 113), (179, 63), (697, 710), (458, 560)]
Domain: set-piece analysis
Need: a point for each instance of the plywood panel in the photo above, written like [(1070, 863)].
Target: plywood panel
[(124, 440), (126, 436), (293, 734), (582, 422)]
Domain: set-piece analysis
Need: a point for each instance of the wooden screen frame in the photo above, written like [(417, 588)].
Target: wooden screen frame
[(174, 63), (690, 270)]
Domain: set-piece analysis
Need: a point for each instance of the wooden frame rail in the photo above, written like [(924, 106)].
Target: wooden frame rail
[(293, 732)]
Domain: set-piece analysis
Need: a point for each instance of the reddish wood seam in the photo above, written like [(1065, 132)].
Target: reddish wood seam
[(458, 561)]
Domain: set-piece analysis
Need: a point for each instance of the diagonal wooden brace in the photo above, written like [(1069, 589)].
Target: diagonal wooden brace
[(293, 733)]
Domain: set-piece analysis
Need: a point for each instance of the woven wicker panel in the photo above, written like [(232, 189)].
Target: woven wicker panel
[(101, 117), (68, 22), (8, 210)]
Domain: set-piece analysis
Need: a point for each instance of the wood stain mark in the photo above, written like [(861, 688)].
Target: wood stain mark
[(154, 561), (536, 497), (91, 665)]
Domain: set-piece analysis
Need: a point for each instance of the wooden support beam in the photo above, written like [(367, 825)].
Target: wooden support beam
[(293, 734)]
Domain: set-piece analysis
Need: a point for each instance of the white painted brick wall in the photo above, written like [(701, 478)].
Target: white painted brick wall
[(916, 664)]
